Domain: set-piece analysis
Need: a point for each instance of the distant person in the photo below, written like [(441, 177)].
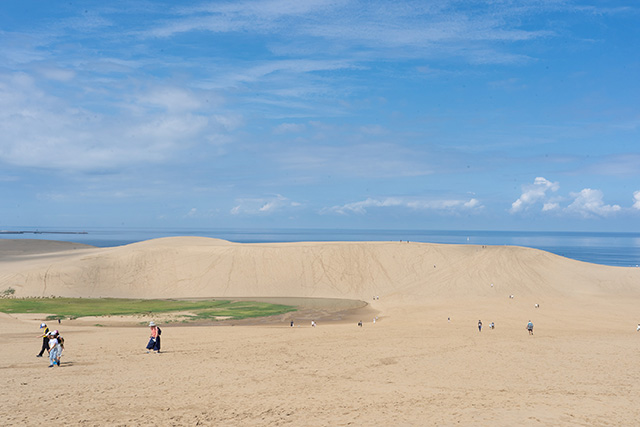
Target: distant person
[(449, 319), (313, 323), (479, 325), (45, 339), (492, 325), (292, 323), (360, 323), (530, 327), (638, 328), (154, 338)]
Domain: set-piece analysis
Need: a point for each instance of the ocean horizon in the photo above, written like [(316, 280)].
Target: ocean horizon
[(607, 248)]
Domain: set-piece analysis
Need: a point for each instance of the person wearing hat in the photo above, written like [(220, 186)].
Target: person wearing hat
[(45, 339), (154, 338)]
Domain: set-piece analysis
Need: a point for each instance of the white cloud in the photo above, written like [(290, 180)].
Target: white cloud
[(448, 205), (533, 193), (38, 129), (421, 29), (636, 198), (588, 203), (263, 205)]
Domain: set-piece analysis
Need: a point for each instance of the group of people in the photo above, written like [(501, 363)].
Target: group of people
[(53, 343), (493, 326)]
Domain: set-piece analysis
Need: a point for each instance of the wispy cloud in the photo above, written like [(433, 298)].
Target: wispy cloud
[(40, 129), (626, 164), (442, 29), (421, 204), (263, 205)]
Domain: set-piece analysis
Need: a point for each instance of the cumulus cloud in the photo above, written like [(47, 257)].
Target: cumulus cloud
[(361, 207), (588, 203), (263, 205), (534, 193)]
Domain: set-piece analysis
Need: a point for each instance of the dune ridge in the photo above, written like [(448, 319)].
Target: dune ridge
[(410, 273)]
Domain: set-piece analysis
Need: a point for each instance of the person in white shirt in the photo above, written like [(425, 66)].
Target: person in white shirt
[(54, 349)]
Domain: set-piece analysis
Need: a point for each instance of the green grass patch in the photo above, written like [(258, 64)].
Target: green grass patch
[(242, 310), (60, 308)]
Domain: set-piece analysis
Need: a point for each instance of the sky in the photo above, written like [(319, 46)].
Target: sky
[(449, 114)]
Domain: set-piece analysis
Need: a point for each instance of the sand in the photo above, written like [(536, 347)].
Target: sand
[(412, 367)]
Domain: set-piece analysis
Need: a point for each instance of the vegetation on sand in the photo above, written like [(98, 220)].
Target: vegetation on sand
[(60, 308)]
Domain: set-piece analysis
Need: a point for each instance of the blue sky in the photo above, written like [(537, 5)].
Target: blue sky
[(496, 115)]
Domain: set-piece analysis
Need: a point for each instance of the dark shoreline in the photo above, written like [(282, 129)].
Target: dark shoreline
[(41, 232)]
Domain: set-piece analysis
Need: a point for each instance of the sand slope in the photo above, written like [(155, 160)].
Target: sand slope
[(411, 368), (402, 272)]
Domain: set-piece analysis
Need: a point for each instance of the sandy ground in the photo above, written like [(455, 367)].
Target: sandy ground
[(412, 367)]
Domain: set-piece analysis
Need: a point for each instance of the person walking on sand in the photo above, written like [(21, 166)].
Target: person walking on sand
[(45, 339), (154, 338), (59, 347), (530, 327), (479, 325), (54, 349)]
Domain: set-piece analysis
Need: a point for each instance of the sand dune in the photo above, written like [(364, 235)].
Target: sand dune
[(405, 272), (413, 367)]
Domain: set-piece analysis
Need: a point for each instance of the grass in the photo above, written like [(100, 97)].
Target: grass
[(60, 308)]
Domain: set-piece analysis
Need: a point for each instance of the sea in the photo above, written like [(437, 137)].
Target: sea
[(614, 249)]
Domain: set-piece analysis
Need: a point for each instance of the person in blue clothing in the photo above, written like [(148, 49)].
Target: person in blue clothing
[(479, 325), (530, 327)]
